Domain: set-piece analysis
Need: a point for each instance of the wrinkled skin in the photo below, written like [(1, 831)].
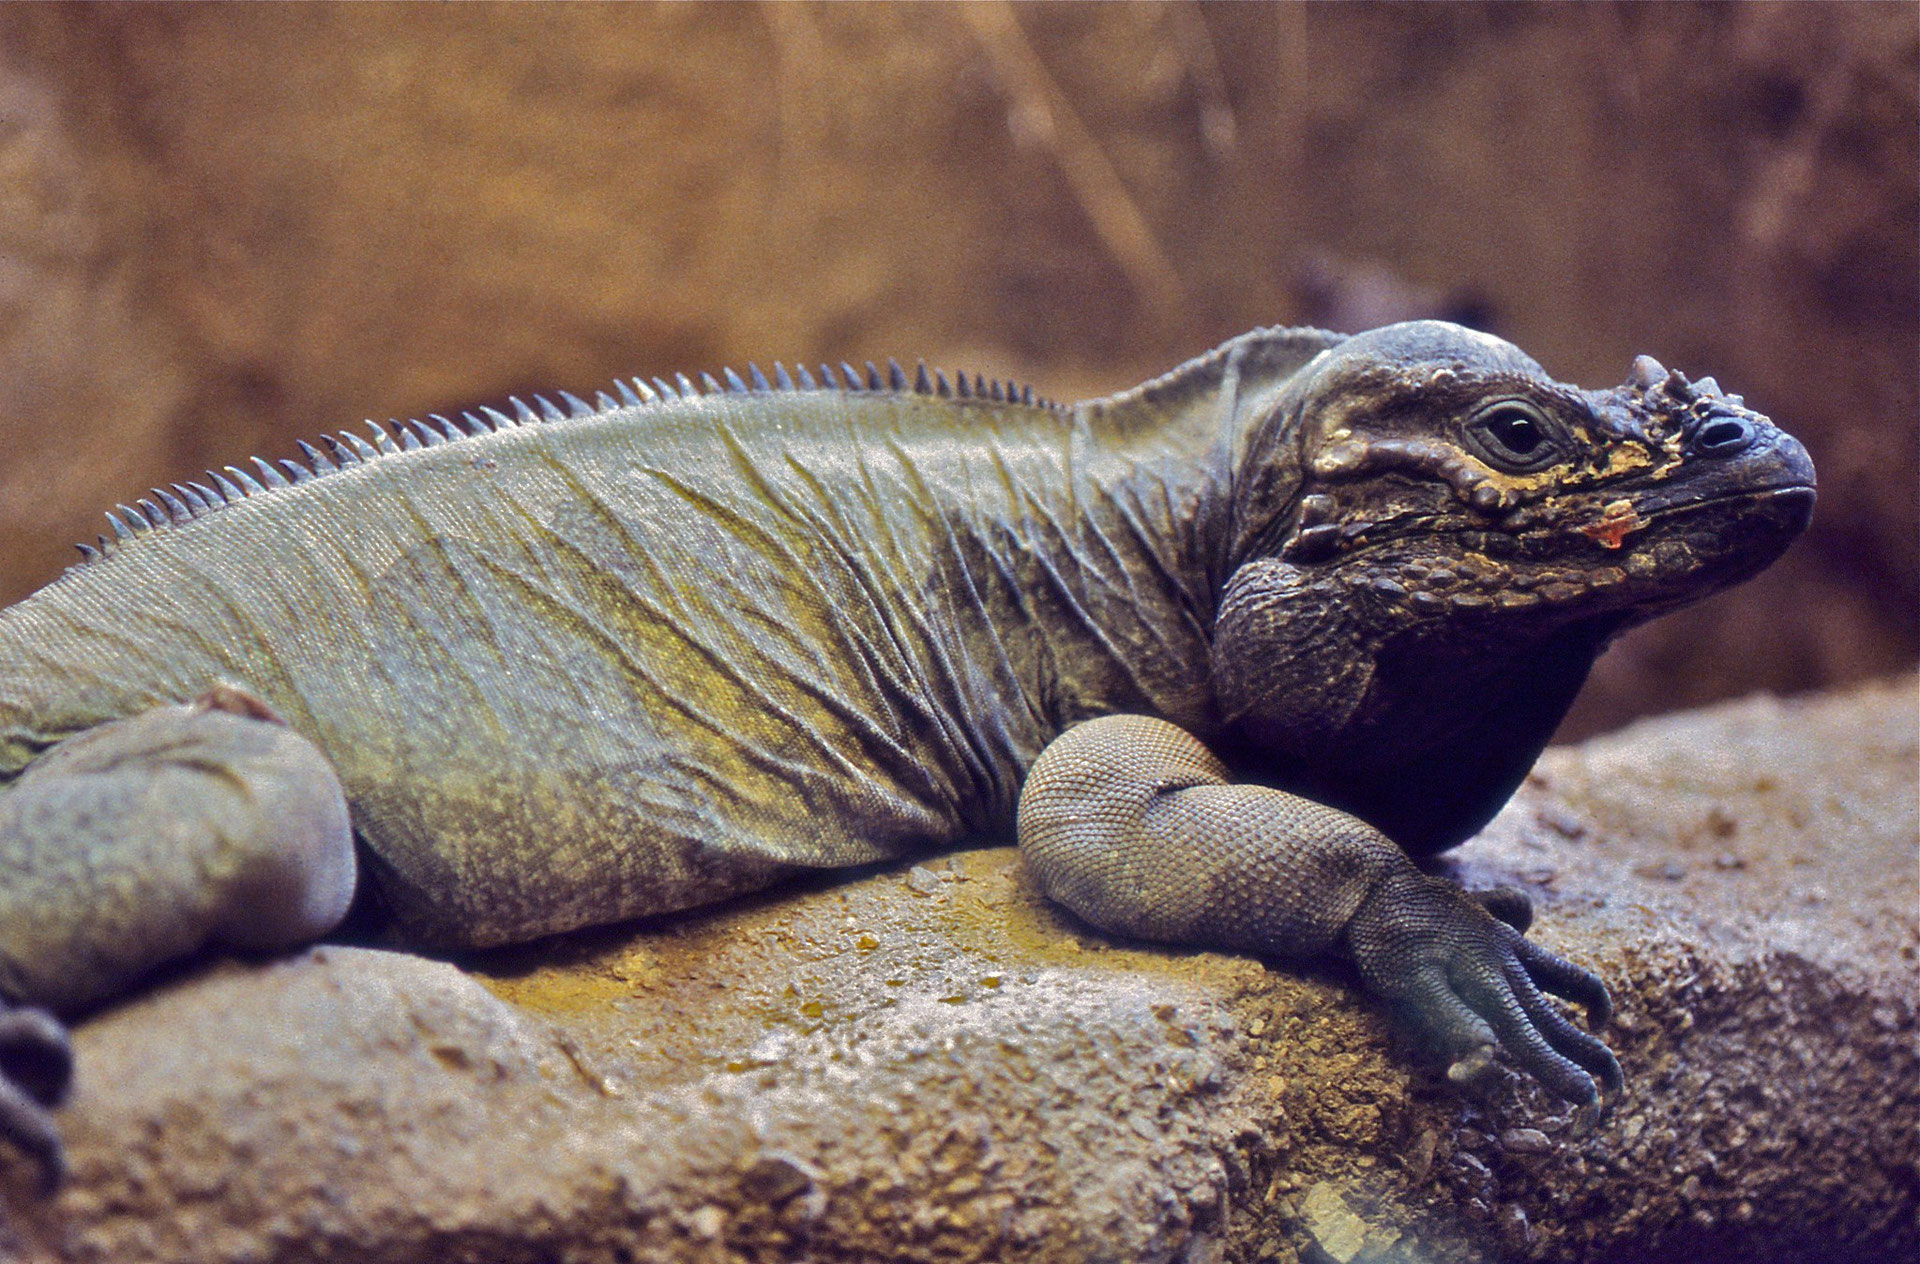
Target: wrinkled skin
[(1226, 649), (1436, 598), (1400, 632)]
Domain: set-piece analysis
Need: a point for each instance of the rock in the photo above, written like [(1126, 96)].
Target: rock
[(1526, 1141), (1331, 1223), (829, 1073), (776, 1177)]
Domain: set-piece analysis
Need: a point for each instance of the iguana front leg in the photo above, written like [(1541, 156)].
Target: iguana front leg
[(142, 841), (1132, 824)]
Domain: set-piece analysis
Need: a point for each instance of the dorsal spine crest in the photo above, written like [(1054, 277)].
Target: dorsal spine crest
[(346, 450)]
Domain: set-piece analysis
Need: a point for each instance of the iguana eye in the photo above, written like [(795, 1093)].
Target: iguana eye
[(1514, 436)]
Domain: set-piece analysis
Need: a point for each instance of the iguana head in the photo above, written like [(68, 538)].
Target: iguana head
[(1442, 491)]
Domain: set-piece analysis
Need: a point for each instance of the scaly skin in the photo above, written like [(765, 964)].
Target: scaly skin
[(1298, 609)]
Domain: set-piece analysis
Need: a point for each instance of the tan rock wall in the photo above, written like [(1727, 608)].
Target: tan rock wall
[(225, 227)]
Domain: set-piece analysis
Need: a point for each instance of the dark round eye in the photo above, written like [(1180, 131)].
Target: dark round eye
[(1514, 435), (1517, 432)]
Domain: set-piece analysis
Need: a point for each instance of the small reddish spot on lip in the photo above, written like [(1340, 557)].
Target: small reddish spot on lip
[(1616, 522)]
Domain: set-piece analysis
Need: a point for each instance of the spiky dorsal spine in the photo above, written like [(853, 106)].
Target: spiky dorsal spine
[(346, 450)]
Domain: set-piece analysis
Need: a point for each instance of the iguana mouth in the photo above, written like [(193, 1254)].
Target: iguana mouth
[(1782, 496), (1544, 542), (1667, 556)]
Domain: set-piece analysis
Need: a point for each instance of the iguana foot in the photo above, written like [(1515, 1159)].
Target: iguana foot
[(36, 1069), (1458, 965), (1130, 822), (147, 838), (142, 841)]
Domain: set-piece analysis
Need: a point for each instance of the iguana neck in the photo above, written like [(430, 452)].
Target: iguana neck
[(1127, 569), (1084, 586)]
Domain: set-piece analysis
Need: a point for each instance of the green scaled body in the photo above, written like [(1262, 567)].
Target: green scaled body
[(1227, 652), (579, 668)]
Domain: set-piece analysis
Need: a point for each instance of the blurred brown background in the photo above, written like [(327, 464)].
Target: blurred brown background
[(225, 227)]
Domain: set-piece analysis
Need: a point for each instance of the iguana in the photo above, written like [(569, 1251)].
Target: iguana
[(1226, 650)]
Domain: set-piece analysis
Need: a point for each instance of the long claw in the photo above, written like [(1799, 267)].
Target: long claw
[(36, 1070), (1494, 999), (1563, 978), (1569, 1041), (1587, 1116)]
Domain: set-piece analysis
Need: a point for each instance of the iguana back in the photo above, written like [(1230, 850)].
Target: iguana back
[(577, 669)]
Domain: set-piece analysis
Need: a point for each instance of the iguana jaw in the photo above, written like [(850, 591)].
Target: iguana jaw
[(1662, 491), (1652, 552)]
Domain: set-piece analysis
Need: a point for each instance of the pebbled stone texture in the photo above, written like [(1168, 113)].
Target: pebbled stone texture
[(929, 1063)]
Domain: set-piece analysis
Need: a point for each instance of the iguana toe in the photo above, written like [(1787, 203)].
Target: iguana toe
[(36, 1054), (1509, 904), (1538, 1036), (36, 1070), (1563, 978)]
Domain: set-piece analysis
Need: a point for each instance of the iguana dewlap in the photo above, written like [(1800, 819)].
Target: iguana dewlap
[(1227, 646)]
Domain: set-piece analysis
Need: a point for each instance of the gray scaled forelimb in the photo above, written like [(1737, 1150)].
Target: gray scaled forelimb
[(1131, 823), (142, 841)]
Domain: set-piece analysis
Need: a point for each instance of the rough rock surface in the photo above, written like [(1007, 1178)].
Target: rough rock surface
[(929, 1063)]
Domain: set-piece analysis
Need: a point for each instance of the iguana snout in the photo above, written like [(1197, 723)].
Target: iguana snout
[(1728, 492)]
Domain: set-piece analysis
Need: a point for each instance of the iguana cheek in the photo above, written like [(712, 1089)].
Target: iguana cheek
[(1326, 522), (1323, 525), (1668, 557)]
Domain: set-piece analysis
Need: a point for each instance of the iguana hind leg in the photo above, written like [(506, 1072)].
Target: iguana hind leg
[(1131, 823), (142, 841)]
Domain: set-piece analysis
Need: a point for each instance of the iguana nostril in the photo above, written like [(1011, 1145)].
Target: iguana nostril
[(1723, 436)]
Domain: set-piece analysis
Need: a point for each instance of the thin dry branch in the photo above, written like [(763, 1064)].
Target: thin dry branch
[(1218, 127), (1117, 219)]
